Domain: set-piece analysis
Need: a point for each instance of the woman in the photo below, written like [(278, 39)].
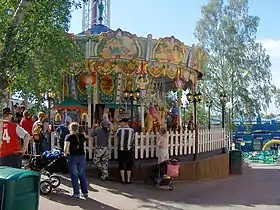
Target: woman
[(74, 150), (39, 133), (162, 143), (102, 151)]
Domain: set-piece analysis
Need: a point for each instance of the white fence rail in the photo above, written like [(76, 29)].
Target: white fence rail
[(180, 143)]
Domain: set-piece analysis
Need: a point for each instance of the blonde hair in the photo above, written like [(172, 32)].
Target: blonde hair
[(41, 115)]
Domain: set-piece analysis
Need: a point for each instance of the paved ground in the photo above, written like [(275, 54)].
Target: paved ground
[(257, 188)]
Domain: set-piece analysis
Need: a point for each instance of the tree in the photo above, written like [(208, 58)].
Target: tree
[(277, 97), (238, 64), (201, 114), (36, 47)]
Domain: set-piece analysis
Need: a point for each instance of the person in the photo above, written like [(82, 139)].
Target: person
[(162, 143), (39, 131), (106, 118), (125, 136), (62, 130), (102, 151), (27, 124), (74, 150), (11, 152)]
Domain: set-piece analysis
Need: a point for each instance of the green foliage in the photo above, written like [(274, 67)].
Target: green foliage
[(238, 64), (277, 97), (36, 46), (201, 114)]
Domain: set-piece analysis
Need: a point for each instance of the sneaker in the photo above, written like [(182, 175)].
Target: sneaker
[(85, 195), (76, 196), (103, 178)]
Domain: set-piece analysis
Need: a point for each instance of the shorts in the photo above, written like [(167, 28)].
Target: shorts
[(13, 160), (126, 160)]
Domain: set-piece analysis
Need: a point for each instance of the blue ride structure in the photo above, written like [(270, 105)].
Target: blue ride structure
[(252, 137)]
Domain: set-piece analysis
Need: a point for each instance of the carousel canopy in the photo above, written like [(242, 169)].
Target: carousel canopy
[(97, 29), (70, 103)]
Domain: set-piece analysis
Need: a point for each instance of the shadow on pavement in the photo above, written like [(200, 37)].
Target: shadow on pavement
[(257, 186), (86, 204), (67, 182)]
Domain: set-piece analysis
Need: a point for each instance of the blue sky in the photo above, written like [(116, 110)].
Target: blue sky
[(163, 18)]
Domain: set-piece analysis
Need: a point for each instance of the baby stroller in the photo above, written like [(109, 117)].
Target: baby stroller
[(164, 172), (47, 164)]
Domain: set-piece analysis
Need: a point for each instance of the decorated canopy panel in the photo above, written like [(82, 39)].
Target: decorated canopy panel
[(123, 51)]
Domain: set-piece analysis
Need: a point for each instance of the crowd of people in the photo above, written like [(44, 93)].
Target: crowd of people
[(23, 127)]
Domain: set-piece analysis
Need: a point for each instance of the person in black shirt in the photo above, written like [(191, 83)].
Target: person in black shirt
[(74, 150)]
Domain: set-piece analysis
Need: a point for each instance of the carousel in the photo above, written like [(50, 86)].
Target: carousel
[(128, 76)]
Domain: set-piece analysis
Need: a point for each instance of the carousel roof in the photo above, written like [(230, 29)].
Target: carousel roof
[(97, 29), (70, 103)]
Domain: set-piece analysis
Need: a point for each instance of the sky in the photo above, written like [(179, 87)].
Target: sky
[(164, 18)]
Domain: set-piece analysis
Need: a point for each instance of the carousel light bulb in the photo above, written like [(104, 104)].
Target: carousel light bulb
[(137, 94), (198, 96), (126, 94), (223, 98), (190, 97)]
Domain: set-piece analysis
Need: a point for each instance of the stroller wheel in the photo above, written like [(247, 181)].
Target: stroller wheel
[(45, 173), (45, 187), (170, 187), (55, 181)]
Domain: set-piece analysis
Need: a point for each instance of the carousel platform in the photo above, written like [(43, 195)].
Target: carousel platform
[(210, 165)]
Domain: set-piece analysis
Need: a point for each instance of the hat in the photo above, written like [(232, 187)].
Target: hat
[(124, 120), (7, 110), (104, 124)]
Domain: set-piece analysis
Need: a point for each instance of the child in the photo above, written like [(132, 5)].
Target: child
[(106, 117), (162, 143)]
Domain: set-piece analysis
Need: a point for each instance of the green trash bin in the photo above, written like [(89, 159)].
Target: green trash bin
[(20, 189), (235, 162)]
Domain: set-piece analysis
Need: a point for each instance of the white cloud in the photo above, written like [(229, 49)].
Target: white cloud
[(272, 47)]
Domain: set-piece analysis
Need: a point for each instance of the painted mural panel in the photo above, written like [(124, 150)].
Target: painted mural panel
[(107, 88)]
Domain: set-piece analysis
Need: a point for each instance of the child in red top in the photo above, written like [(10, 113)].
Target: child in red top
[(27, 123)]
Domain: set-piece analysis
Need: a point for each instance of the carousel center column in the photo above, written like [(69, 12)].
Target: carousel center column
[(89, 92)]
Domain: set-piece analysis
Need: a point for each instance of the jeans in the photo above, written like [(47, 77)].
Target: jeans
[(77, 169)]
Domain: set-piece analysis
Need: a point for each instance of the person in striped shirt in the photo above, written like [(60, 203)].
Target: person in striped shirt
[(125, 136)]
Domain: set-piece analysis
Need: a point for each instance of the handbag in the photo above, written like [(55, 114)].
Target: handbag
[(173, 170)]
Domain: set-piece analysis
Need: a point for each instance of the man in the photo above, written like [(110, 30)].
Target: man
[(62, 130), (10, 151), (102, 151), (125, 136)]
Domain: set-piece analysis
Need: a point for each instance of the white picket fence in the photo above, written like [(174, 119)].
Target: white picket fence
[(180, 143)]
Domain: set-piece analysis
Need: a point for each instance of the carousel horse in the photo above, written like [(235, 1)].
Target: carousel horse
[(174, 114), (155, 119)]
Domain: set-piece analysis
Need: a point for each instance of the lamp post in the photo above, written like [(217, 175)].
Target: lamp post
[(194, 98), (130, 96), (184, 113), (209, 105), (223, 99)]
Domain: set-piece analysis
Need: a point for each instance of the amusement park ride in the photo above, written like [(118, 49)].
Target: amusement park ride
[(128, 74)]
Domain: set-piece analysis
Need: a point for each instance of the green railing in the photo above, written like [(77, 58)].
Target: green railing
[(262, 157)]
